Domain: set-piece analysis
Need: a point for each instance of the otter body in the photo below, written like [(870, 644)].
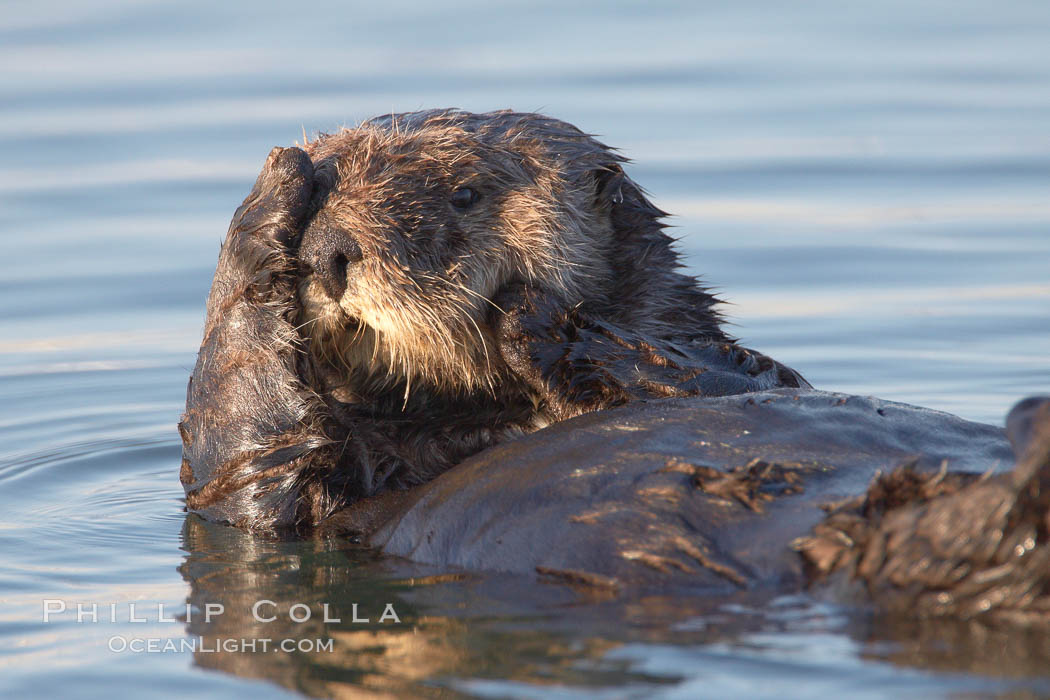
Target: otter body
[(394, 299), (703, 493)]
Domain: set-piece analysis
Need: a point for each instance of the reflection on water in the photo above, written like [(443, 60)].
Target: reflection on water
[(492, 635), (445, 623), (867, 184)]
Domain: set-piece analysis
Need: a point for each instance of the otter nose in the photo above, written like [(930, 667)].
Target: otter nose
[(330, 252)]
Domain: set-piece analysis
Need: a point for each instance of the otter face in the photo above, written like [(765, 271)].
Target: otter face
[(423, 218)]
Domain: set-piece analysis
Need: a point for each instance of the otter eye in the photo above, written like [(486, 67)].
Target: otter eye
[(464, 197)]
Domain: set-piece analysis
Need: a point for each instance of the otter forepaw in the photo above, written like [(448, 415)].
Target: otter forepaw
[(257, 258), (550, 348), (280, 199), (256, 438), (513, 337)]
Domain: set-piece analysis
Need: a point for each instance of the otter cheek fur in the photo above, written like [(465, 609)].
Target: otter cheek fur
[(396, 297)]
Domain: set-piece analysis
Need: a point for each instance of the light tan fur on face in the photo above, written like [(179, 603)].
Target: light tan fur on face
[(415, 307)]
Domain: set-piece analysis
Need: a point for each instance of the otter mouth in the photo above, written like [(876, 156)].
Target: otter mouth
[(318, 308)]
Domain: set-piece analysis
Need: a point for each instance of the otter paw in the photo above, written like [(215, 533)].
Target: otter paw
[(512, 337), (257, 262), (279, 202)]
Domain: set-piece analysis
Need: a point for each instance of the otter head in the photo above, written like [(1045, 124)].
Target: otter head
[(423, 218)]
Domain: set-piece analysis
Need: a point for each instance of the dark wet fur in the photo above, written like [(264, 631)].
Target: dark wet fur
[(950, 544)]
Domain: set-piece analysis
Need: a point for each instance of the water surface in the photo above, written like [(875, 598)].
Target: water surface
[(867, 184)]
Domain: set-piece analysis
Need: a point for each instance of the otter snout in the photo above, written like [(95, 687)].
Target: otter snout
[(331, 253)]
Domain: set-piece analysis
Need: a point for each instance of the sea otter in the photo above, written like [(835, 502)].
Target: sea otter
[(398, 296), (393, 299)]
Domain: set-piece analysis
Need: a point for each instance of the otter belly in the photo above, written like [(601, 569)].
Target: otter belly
[(704, 492)]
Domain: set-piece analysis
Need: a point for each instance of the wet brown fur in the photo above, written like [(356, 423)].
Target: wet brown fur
[(949, 544)]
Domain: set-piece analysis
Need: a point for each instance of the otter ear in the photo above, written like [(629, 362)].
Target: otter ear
[(608, 189)]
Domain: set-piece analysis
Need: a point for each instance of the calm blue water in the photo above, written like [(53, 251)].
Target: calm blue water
[(867, 183)]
